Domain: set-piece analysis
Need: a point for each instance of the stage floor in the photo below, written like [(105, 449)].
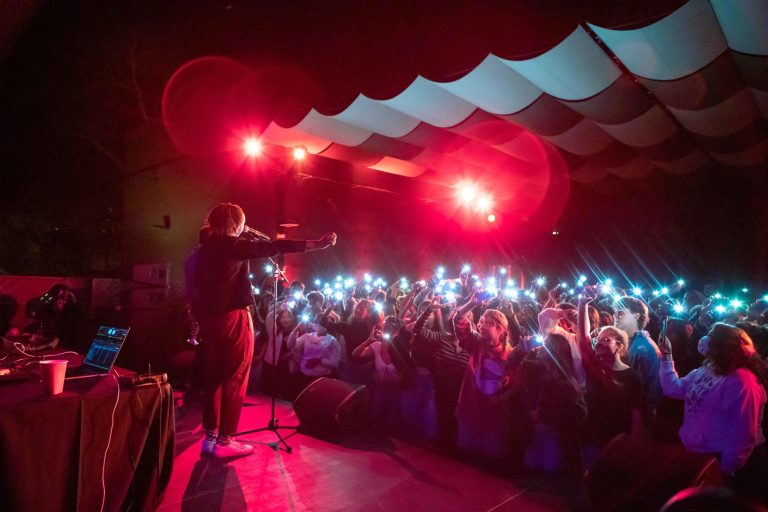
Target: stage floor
[(370, 473)]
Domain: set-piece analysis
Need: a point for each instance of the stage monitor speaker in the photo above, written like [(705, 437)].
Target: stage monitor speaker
[(331, 408), (634, 474)]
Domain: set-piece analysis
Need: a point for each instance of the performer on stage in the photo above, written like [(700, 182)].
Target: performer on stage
[(224, 294)]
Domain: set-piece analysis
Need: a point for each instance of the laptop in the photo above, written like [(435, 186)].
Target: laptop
[(102, 354)]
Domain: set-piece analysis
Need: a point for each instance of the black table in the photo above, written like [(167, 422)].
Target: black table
[(52, 447)]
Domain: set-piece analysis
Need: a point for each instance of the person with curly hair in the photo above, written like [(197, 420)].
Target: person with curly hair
[(724, 404)]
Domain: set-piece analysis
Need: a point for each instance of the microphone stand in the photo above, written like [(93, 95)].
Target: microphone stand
[(274, 424)]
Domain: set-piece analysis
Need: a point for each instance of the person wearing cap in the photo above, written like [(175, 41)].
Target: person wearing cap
[(483, 412)]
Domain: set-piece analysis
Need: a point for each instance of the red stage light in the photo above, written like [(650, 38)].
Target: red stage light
[(467, 193), (299, 153), (491, 218), (484, 203), (252, 147)]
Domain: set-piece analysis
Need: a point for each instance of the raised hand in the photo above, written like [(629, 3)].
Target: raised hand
[(588, 295), (665, 346), (374, 335), (327, 240)]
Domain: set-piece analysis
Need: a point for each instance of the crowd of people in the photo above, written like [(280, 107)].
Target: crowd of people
[(543, 376)]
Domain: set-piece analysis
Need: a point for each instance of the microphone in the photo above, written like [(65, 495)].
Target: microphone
[(256, 234)]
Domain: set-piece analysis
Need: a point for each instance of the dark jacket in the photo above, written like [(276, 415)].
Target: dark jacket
[(221, 273)]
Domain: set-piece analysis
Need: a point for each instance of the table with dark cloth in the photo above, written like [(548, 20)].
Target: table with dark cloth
[(52, 447)]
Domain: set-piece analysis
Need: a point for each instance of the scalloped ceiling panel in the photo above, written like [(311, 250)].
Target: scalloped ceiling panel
[(680, 93)]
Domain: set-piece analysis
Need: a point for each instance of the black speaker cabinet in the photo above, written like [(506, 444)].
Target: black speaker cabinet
[(331, 408), (634, 474)]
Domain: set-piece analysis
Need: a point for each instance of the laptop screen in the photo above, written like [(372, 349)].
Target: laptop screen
[(105, 348)]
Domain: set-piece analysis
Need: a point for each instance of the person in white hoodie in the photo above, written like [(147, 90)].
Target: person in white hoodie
[(318, 354), (724, 404)]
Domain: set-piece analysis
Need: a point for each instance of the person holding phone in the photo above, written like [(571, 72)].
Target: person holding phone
[(355, 332), (431, 334), (277, 370), (561, 320), (483, 411), (724, 405), (388, 374), (614, 391)]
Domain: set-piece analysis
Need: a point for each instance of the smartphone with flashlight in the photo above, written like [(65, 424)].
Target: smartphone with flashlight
[(484, 295), (447, 298)]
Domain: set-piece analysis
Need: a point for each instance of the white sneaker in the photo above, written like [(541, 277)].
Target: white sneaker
[(228, 447)]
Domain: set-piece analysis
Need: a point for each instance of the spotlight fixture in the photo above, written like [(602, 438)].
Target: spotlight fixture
[(252, 147), (467, 193), (299, 153), (485, 203)]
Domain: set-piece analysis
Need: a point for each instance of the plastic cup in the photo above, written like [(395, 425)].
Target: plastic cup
[(53, 372)]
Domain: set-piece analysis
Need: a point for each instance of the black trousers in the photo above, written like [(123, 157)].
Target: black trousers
[(446, 397), (751, 481)]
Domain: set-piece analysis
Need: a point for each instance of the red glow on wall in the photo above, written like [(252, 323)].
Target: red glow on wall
[(197, 111)]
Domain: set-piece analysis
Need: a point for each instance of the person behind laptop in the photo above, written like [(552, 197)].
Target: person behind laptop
[(8, 307), (221, 278), (59, 321)]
